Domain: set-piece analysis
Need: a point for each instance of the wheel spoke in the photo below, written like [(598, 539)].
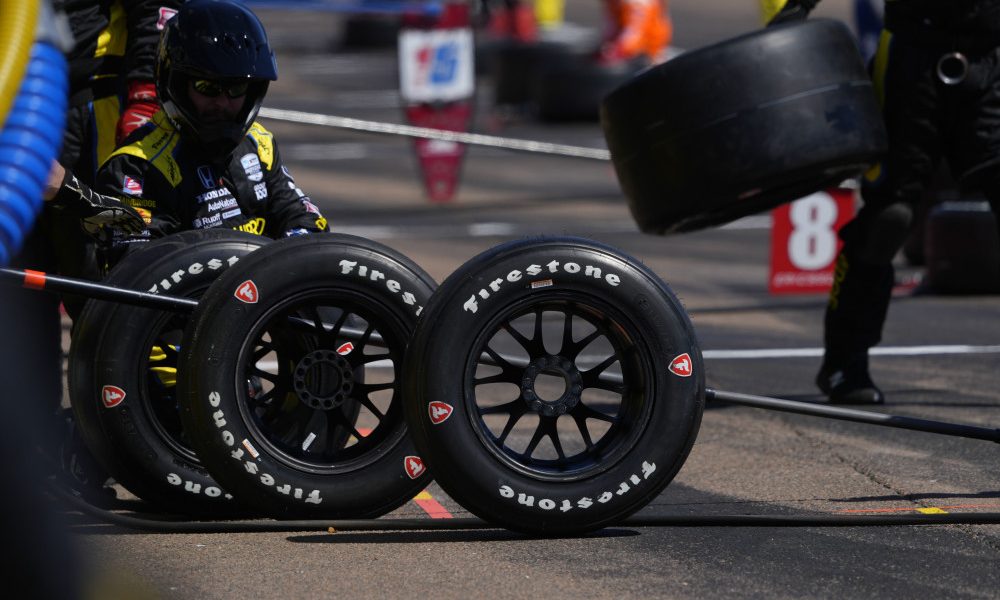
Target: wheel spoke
[(368, 388), (575, 348), (581, 425), (285, 426), (536, 437), (567, 336), (583, 412), (508, 407), (516, 413), (367, 359), (367, 403)]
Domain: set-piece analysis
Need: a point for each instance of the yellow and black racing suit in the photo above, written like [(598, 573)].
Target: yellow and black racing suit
[(115, 42), (929, 116), (175, 187)]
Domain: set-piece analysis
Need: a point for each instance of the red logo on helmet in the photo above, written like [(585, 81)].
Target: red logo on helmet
[(247, 292), (681, 366), (112, 396), (414, 466), (345, 348), (439, 412)]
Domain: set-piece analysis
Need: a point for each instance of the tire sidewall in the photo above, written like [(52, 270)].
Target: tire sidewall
[(212, 403), (473, 474), (111, 348)]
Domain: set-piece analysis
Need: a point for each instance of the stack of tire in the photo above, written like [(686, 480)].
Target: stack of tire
[(278, 396)]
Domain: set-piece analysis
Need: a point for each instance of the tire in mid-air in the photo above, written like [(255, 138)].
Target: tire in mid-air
[(288, 348), (744, 125), (123, 371), (554, 386)]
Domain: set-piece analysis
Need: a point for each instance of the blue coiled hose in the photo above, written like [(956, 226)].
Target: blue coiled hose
[(30, 140)]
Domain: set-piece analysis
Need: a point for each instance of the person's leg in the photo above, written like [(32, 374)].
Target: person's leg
[(864, 275)]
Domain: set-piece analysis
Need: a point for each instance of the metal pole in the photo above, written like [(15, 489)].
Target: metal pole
[(860, 416), (43, 281)]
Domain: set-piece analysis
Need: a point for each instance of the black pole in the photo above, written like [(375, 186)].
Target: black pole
[(860, 416), (44, 281)]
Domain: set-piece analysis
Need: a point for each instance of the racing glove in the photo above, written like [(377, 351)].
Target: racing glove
[(97, 211), (140, 104), (793, 10)]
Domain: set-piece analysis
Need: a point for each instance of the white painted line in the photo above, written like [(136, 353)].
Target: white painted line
[(932, 350), (877, 351), (475, 230)]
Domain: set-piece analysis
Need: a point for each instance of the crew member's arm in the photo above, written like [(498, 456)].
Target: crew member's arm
[(146, 19), (95, 211), (141, 187)]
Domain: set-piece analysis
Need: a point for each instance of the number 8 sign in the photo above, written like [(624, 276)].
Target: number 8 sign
[(804, 242)]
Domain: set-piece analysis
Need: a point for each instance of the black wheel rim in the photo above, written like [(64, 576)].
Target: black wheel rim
[(562, 387), (318, 381), (160, 369)]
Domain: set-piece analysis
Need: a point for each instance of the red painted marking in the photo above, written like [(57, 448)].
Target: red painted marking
[(432, 507), (34, 279)]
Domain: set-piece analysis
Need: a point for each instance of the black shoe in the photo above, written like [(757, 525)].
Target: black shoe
[(849, 385), (79, 470)]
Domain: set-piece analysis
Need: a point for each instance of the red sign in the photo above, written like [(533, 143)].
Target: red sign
[(804, 241)]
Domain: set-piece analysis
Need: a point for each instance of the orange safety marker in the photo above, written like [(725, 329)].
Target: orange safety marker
[(34, 279)]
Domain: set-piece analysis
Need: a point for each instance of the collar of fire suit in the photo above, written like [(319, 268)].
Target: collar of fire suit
[(156, 146)]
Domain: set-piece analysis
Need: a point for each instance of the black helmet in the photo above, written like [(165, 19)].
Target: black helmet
[(219, 40)]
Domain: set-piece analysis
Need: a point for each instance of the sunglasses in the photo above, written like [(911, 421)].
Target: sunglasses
[(213, 89)]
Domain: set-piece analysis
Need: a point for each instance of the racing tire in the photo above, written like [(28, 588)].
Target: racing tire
[(962, 249), (122, 369), (512, 396), (368, 32), (517, 67), (356, 303), (742, 126), (572, 91)]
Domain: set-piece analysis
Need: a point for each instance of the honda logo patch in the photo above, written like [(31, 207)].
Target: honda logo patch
[(112, 396), (681, 366), (247, 292)]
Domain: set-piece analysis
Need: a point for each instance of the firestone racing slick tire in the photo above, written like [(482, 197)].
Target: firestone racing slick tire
[(123, 367), (744, 125), (280, 350), (554, 386)]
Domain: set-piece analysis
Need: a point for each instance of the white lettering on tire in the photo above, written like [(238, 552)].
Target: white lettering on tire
[(566, 504), (596, 273), (252, 467)]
